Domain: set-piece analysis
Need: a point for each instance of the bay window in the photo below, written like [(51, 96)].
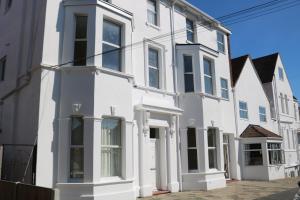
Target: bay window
[(253, 154), (111, 147), (208, 76), (80, 46), (188, 74), (153, 68), (212, 148), (276, 154), (76, 148), (111, 46), (192, 149)]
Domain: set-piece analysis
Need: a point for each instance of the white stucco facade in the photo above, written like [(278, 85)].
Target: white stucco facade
[(168, 138)]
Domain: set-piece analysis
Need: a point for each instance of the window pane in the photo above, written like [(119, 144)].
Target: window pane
[(153, 77), (192, 159), (252, 146), (211, 135), (111, 132), (80, 53), (154, 133), (76, 163), (2, 68), (212, 158), (191, 137), (188, 63), (151, 12), (208, 85), (110, 162), (151, 17), (220, 37), (253, 158), (77, 131), (189, 82), (111, 57), (111, 33), (81, 27), (207, 67), (221, 47), (152, 5), (274, 145), (189, 24), (153, 57)]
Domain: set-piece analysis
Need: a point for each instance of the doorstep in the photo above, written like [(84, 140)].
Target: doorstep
[(159, 192)]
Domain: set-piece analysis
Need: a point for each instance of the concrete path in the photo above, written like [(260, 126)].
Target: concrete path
[(284, 189)]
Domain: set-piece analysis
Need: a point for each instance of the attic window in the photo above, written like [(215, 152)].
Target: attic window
[(280, 73)]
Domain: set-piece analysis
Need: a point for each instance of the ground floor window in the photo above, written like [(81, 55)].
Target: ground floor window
[(276, 154), (192, 149), (76, 148), (212, 148), (253, 154), (111, 147)]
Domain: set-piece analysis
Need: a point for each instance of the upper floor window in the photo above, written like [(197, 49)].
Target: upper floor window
[(224, 88), (192, 149), (111, 46), (111, 147), (286, 104), (253, 154), (208, 76), (188, 74), (280, 73), (262, 114), (243, 110), (2, 68), (282, 103), (190, 30), (76, 148), (80, 46), (152, 12), (221, 42), (212, 148), (153, 68)]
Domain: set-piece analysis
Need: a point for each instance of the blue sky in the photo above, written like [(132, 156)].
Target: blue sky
[(277, 32)]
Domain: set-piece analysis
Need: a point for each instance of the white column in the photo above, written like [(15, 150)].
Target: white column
[(144, 171), (97, 150), (220, 150), (173, 185), (88, 142), (163, 159), (184, 152)]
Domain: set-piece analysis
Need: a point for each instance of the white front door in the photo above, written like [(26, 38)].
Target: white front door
[(154, 158)]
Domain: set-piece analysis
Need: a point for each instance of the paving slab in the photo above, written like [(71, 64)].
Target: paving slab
[(284, 189)]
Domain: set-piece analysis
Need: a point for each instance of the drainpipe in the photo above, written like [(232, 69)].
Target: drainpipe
[(179, 174)]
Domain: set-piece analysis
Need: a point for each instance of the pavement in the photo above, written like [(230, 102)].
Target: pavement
[(284, 189)]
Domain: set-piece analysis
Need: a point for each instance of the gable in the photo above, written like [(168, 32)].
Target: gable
[(265, 67)]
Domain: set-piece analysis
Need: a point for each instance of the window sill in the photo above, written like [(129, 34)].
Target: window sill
[(243, 119), (108, 181), (153, 26), (210, 96), (150, 89), (114, 73)]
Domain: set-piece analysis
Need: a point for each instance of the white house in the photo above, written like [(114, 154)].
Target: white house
[(115, 99), (260, 149)]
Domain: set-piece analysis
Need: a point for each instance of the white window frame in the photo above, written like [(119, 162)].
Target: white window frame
[(189, 73), (161, 57), (224, 89), (275, 149), (212, 76), (156, 13), (192, 31), (221, 43), (76, 147), (262, 115), (251, 150), (243, 110), (120, 147), (280, 74), (192, 148), (213, 148), (121, 25)]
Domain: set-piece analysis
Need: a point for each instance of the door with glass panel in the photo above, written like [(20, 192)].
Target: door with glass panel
[(154, 158), (226, 156)]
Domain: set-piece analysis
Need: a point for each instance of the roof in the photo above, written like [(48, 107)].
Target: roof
[(257, 131), (237, 65), (265, 67)]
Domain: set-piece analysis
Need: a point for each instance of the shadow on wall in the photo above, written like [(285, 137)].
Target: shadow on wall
[(285, 195)]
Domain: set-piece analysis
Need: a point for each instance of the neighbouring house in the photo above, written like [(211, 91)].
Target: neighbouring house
[(119, 99)]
